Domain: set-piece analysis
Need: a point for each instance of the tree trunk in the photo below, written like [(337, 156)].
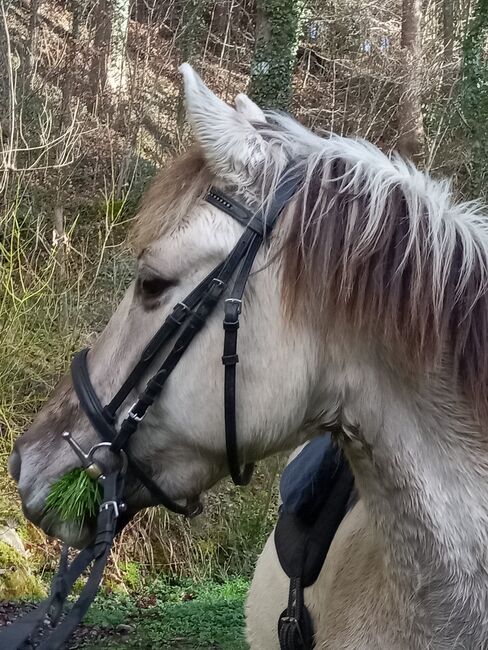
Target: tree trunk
[(60, 244), (474, 97), (221, 11), (59, 240), (448, 31), (278, 27), (32, 42), (448, 38), (410, 123), (101, 47), (67, 87), (69, 68), (117, 66)]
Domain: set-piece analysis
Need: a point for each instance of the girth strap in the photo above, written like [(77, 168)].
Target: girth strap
[(295, 628)]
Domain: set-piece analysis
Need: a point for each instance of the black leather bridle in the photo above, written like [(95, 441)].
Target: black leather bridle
[(185, 321)]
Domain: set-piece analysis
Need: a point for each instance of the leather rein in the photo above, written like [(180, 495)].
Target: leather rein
[(185, 321)]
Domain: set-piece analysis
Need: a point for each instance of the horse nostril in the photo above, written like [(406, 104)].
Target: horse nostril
[(14, 463)]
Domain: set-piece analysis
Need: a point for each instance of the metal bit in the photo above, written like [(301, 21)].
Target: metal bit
[(91, 468)]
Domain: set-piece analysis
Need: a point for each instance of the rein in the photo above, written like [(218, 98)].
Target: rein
[(185, 321)]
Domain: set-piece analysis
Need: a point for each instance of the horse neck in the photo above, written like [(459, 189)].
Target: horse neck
[(421, 465)]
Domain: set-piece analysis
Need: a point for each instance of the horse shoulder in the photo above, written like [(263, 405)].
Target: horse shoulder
[(350, 602)]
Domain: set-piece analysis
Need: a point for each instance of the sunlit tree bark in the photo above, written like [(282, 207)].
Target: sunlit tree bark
[(410, 122), (117, 64)]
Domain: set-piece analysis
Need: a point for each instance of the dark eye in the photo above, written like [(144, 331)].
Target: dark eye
[(154, 286)]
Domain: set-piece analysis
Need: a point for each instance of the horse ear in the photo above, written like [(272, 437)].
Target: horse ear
[(232, 146), (249, 109)]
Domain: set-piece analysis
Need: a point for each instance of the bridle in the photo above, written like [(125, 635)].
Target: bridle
[(185, 321)]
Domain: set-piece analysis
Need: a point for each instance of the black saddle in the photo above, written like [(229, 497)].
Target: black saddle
[(317, 490)]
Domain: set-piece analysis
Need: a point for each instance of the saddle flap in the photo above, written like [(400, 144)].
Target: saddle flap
[(316, 488)]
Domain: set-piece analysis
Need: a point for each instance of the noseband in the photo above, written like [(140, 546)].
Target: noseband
[(184, 322)]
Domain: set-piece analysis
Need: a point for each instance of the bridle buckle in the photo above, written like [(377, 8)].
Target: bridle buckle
[(216, 288), (185, 311), (232, 310), (133, 415), (236, 301), (112, 504)]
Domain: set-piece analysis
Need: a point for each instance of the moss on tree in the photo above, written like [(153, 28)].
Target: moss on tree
[(278, 28)]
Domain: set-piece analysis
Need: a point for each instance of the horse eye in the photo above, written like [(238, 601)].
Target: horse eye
[(152, 287)]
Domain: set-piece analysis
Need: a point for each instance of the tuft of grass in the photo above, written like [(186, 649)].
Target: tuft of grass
[(74, 497)]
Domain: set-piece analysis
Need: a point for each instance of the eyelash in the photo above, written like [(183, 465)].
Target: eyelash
[(154, 287)]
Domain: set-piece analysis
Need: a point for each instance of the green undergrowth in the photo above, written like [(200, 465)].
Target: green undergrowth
[(17, 580), (174, 614)]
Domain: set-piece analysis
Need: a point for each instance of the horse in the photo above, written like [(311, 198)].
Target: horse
[(365, 314)]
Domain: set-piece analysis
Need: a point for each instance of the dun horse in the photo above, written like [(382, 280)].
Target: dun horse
[(367, 310)]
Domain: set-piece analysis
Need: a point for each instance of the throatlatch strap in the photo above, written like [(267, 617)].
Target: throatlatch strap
[(260, 224), (232, 311)]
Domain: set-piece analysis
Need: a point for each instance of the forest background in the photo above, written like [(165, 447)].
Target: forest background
[(90, 108)]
